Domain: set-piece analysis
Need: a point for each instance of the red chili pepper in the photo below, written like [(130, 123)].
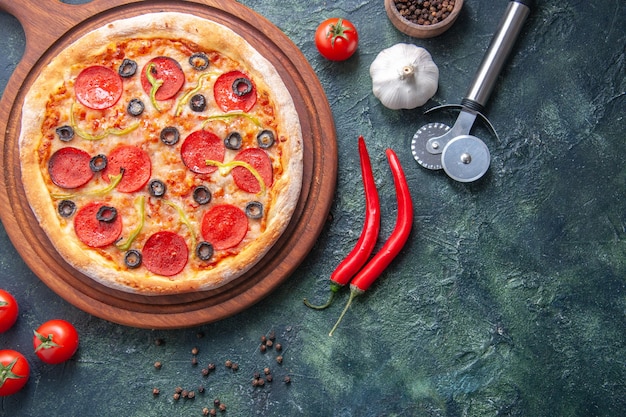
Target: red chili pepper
[(363, 249), (404, 222)]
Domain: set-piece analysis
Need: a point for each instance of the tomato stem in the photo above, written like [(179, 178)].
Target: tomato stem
[(6, 372), (337, 30), (47, 342)]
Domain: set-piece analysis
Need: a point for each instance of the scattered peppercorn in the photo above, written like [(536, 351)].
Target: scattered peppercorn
[(279, 359), (213, 412), (235, 367), (229, 363), (216, 402), (267, 371), (194, 351), (269, 378), (222, 407), (278, 347), (287, 379), (159, 341), (200, 335), (176, 396), (184, 393), (263, 348), (178, 390), (158, 365), (205, 372), (191, 395), (211, 367), (194, 361), (205, 411), (201, 389), (269, 343), (155, 391), (424, 12)]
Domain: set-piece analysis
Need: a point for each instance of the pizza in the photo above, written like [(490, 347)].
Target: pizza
[(161, 154)]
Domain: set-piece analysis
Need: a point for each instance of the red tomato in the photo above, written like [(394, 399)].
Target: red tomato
[(14, 372), (336, 39), (8, 311), (55, 341)]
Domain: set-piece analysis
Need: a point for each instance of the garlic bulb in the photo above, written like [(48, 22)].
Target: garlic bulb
[(404, 76)]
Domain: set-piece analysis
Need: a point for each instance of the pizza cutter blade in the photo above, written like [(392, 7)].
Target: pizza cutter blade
[(463, 157)]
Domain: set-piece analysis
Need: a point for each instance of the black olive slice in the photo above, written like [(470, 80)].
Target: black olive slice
[(202, 195), (66, 208), (233, 141), (254, 210), (204, 251), (65, 133), (106, 214), (199, 61), (265, 139), (197, 103), (135, 107), (242, 86), (127, 68), (157, 188), (98, 163), (170, 135), (132, 259)]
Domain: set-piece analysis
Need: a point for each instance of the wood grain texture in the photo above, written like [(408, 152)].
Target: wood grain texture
[(44, 40)]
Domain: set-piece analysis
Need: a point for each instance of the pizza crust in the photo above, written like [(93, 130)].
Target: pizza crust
[(284, 192)]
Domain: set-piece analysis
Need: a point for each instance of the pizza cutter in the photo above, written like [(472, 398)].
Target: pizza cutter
[(462, 156)]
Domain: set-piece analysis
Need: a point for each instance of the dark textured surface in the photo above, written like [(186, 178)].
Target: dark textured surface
[(509, 298)]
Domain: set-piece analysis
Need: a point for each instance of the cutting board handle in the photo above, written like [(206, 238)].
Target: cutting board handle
[(44, 22)]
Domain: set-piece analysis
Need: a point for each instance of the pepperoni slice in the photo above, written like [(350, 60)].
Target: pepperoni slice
[(167, 70), (136, 165), (69, 168), (165, 253), (93, 232), (261, 162), (224, 226), (200, 146), (234, 91), (98, 87)]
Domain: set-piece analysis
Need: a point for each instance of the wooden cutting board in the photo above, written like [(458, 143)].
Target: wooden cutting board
[(50, 26)]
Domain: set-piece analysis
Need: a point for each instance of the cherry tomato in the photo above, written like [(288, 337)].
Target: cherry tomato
[(8, 311), (55, 341), (14, 372), (336, 39)]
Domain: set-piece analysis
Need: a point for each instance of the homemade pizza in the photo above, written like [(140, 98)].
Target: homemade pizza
[(161, 154)]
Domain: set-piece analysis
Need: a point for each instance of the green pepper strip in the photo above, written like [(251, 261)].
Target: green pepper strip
[(231, 115), (140, 203), (184, 220), (156, 84), (184, 99), (224, 169), (110, 131), (115, 179)]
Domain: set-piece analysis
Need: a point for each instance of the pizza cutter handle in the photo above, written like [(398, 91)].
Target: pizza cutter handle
[(501, 45)]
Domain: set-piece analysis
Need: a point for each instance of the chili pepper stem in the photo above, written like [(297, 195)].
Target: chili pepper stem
[(334, 288), (354, 292)]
